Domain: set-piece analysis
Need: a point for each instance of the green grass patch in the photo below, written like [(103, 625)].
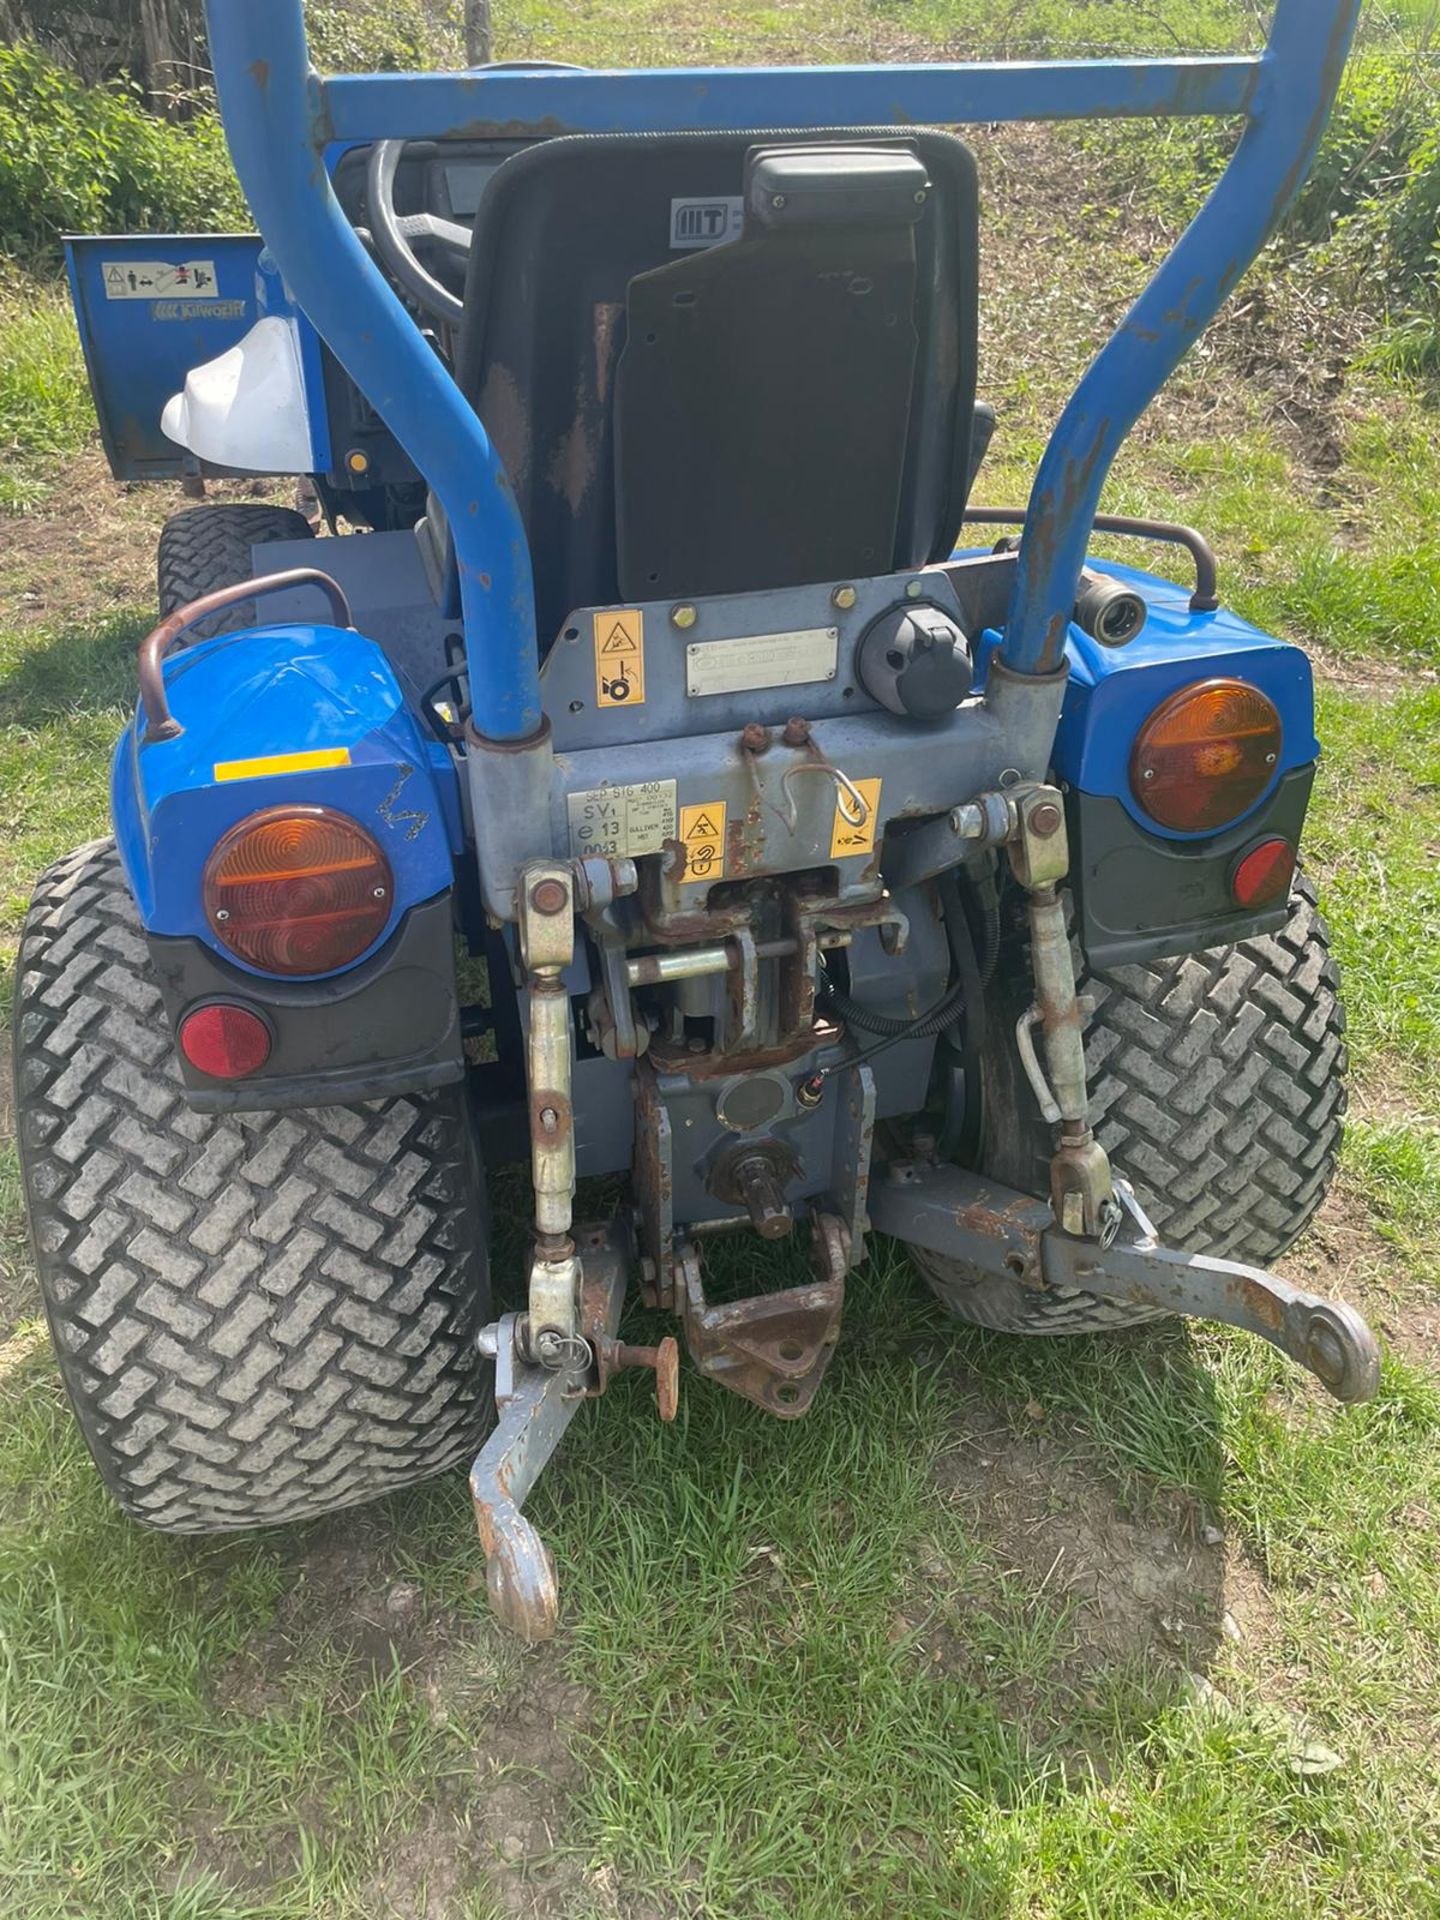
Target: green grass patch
[(45, 408)]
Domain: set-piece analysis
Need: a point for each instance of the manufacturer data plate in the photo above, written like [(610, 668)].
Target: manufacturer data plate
[(622, 822), (761, 660)]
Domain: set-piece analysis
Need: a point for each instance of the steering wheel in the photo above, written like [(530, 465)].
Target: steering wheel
[(396, 235)]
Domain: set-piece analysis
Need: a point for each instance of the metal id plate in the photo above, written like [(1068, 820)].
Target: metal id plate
[(761, 660), (622, 822)]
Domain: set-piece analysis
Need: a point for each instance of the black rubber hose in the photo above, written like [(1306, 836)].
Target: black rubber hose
[(891, 1027), (960, 1136)]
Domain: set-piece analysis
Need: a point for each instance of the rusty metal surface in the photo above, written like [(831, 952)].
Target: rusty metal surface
[(653, 1178), (772, 1349), (535, 1406), (854, 1143), (998, 1231)]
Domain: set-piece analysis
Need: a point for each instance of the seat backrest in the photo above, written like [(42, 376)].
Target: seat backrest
[(698, 390)]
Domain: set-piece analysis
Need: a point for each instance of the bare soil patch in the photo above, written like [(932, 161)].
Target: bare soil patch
[(1120, 1589), (88, 548)]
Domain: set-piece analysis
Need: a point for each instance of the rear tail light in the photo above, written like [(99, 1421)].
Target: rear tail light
[(298, 890), (1263, 873), (1206, 755), (225, 1041)]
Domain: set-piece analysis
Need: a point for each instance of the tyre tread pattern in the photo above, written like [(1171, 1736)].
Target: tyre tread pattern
[(1217, 1087), (203, 548), (258, 1317)]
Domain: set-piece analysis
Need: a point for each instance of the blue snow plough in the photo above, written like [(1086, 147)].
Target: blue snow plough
[(659, 780)]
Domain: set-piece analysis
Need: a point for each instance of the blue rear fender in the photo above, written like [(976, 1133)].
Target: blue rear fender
[(297, 693), (1111, 692)]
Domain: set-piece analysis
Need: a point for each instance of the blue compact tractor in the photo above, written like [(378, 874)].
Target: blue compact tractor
[(658, 781)]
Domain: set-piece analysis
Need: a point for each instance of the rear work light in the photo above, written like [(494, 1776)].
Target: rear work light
[(298, 890), (224, 1040), (1206, 755)]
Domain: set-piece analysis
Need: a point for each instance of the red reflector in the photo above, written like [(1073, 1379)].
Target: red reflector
[(225, 1041), (1263, 875)]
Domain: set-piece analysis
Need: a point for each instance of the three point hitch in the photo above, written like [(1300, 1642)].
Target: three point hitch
[(1090, 1236)]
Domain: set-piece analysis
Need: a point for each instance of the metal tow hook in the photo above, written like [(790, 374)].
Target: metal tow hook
[(535, 1404), (664, 1360)]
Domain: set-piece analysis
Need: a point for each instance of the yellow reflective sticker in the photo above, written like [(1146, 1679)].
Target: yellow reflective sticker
[(313, 762), (854, 829), (619, 657), (702, 829)]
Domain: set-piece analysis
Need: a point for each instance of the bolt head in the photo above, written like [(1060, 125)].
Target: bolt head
[(683, 617), (797, 732), (914, 589), (754, 738), (844, 598), (1045, 819), (548, 896)]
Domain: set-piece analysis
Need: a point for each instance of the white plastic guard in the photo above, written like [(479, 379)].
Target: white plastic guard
[(247, 408)]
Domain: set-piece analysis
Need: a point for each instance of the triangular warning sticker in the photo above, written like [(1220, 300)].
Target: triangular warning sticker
[(703, 829), (621, 640)]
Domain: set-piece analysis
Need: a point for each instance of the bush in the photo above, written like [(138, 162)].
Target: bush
[(85, 159), (403, 36)]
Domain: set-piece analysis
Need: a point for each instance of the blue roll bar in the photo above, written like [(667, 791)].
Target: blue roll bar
[(280, 118)]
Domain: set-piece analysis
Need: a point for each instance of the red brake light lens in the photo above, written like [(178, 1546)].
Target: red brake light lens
[(225, 1041), (1263, 873), (298, 890), (1206, 755)]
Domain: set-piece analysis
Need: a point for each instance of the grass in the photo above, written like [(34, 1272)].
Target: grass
[(45, 409), (932, 1651)]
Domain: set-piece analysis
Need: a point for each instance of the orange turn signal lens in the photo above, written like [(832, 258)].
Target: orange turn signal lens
[(298, 890), (1206, 755)]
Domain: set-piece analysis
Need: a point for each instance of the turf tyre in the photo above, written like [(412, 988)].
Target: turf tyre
[(258, 1317), (204, 548), (1217, 1087)]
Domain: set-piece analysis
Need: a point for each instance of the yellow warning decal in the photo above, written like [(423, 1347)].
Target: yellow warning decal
[(313, 762), (620, 657), (855, 815), (702, 829)]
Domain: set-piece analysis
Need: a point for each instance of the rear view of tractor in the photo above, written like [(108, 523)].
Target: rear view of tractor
[(669, 783)]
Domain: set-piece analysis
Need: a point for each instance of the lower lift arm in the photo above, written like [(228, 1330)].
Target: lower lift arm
[(997, 1231)]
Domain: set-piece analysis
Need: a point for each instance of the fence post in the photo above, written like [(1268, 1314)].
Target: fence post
[(479, 41)]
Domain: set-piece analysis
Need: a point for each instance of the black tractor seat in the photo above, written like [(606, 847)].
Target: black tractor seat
[(723, 362)]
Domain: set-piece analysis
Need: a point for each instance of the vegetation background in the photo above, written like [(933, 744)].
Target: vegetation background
[(1133, 1627)]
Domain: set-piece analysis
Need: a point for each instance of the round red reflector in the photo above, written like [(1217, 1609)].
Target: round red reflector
[(298, 890), (1263, 875), (225, 1041), (1206, 755)]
